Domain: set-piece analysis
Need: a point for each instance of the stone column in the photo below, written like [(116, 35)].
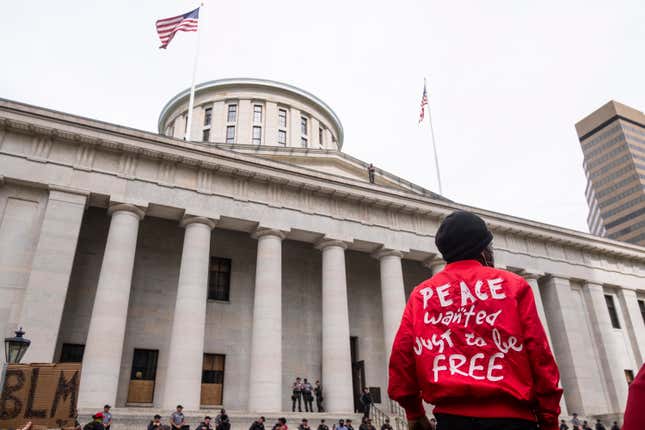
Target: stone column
[(435, 264), (46, 290), (610, 351), (566, 321), (265, 376), (104, 345), (392, 295), (634, 322), (532, 280), (186, 352), (336, 354)]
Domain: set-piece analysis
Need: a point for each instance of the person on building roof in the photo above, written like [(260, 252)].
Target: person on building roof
[(471, 342)]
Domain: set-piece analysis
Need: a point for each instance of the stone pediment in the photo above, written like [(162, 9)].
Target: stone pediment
[(332, 162)]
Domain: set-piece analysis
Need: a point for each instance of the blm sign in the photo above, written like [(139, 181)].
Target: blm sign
[(44, 394)]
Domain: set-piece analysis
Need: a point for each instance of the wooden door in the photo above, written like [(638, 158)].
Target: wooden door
[(213, 380), (142, 377)]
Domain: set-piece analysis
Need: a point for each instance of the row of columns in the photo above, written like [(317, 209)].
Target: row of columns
[(104, 345)]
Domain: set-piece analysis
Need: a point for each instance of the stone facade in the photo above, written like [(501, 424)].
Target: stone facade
[(105, 230)]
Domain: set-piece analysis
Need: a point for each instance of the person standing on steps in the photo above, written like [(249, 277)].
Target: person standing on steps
[(296, 395), (318, 391), (307, 395), (491, 368), (322, 425), (366, 401)]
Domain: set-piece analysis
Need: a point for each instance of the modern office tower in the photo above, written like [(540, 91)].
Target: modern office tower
[(613, 144)]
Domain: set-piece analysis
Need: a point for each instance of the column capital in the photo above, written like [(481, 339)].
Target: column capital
[(186, 220), (324, 243), (262, 231), (140, 213), (559, 278), (386, 252)]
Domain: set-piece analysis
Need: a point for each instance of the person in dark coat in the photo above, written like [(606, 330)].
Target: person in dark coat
[(258, 424), (225, 424), (155, 424), (322, 425), (366, 401), (206, 424), (318, 391)]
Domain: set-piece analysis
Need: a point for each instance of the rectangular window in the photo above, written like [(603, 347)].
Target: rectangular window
[(282, 118), (213, 369), (231, 115), (641, 306), (257, 135), (72, 353), (208, 116), (212, 379), (230, 134), (303, 126), (206, 134), (303, 142), (257, 113), (144, 364), (320, 136), (219, 279), (611, 307), (282, 137)]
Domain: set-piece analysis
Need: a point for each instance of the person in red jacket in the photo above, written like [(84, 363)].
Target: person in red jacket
[(634, 412), (471, 343)]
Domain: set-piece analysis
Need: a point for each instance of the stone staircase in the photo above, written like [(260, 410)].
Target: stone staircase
[(132, 418)]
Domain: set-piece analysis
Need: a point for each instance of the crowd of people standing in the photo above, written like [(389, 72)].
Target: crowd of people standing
[(302, 390)]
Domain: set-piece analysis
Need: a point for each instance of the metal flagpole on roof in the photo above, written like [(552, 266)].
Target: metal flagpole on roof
[(191, 101), (434, 145)]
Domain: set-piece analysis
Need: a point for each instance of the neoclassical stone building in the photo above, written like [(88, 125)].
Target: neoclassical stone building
[(213, 272)]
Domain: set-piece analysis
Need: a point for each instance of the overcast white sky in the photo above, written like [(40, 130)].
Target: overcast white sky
[(507, 79)]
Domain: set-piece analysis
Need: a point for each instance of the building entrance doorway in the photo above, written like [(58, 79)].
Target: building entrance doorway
[(358, 374), (142, 377)]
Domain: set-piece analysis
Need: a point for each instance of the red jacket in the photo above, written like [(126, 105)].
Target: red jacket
[(634, 413), (471, 343)]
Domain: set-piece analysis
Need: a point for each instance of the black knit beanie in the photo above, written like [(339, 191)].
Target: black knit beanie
[(462, 236)]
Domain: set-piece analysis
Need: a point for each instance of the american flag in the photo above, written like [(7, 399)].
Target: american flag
[(424, 103), (167, 27)]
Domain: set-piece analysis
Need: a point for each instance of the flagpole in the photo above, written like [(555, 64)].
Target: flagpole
[(434, 145), (191, 101)]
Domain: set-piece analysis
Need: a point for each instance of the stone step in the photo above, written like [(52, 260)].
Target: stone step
[(131, 418)]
